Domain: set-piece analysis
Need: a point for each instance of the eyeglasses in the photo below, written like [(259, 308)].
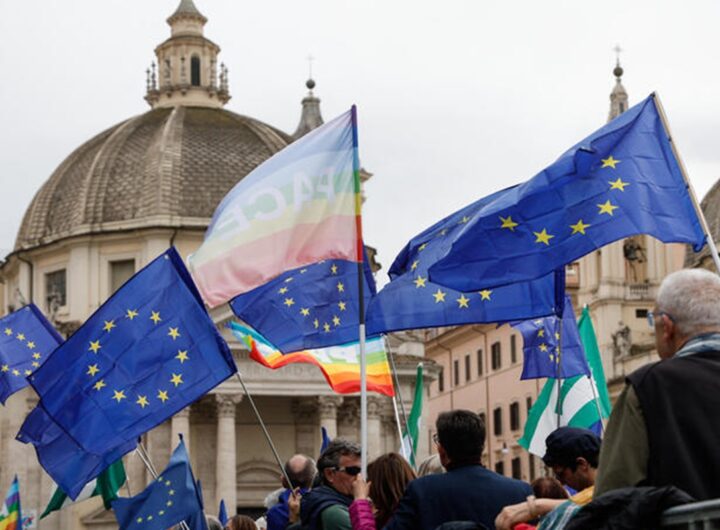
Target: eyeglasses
[(652, 315), (350, 470)]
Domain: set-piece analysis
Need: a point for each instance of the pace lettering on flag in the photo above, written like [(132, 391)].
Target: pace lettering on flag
[(551, 349), (26, 340), (620, 181), (296, 208), (310, 307), (412, 301), (145, 354), (171, 498)]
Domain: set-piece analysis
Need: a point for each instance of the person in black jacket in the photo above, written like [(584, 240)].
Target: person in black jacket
[(468, 491), (663, 429)]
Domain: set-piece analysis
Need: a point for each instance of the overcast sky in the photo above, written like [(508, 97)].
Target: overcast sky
[(456, 99)]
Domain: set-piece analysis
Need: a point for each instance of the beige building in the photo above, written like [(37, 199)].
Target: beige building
[(481, 365), (115, 203)]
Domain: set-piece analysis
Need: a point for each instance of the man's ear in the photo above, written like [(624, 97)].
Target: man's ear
[(668, 329), (327, 474), (582, 464)]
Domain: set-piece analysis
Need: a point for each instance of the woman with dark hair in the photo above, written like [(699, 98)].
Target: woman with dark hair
[(388, 475), (240, 522)]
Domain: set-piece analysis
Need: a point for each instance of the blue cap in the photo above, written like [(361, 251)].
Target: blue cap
[(566, 444)]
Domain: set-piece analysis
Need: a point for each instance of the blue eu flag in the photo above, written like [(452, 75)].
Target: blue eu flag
[(26, 340), (411, 300), (622, 180), (309, 307), (168, 500), (541, 340), (144, 355), (69, 465)]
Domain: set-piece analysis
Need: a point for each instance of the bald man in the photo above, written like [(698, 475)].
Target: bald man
[(301, 470)]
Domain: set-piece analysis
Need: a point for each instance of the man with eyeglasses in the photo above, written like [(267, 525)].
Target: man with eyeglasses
[(326, 506), (664, 428)]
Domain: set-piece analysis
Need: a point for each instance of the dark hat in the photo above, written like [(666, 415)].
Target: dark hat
[(566, 444)]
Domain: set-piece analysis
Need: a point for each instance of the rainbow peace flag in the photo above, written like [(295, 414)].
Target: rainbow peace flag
[(339, 364), (10, 517), (300, 206)]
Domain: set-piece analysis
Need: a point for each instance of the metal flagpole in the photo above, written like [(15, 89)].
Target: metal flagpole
[(691, 190), (264, 429), (393, 367), (400, 431), (558, 361), (596, 399)]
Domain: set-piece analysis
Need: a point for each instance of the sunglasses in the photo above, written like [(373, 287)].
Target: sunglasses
[(350, 470)]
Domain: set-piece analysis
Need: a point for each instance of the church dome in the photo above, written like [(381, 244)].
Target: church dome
[(169, 167)]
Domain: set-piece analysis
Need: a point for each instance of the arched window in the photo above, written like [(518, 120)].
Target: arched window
[(195, 71)]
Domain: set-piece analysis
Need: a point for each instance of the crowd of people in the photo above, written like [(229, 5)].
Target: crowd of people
[(659, 450)]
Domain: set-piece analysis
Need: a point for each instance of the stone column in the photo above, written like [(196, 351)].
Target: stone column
[(328, 406), (226, 459), (180, 424), (307, 432), (374, 441)]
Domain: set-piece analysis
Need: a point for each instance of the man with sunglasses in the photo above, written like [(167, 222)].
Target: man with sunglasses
[(664, 429), (326, 506)]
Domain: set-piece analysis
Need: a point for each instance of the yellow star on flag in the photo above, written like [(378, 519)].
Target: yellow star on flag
[(607, 207), (414, 265), (288, 280), (176, 379), (131, 313), (336, 320), (618, 184), (305, 311), (464, 220), (326, 327), (333, 269), (463, 301), (119, 395), (543, 237), (20, 336), (169, 503), (609, 162), (28, 372), (439, 296), (30, 344), (174, 333), (155, 316), (8, 331), (579, 227), (99, 385), (5, 368), (182, 356), (543, 347), (36, 355), (94, 346), (557, 336), (92, 370), (422, 247), (541, 333), (507, 222), (283, 290), (316, 323), (35, 364), (342, 306), (485, 294), (162, 395), (420, 282), (142, 401), (15, 372), (340, 287), (109, 324), (289, 302)]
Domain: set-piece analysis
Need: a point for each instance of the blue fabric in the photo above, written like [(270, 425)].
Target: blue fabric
[(26, 341), (222, 513), (171, 498), (325, 439), (619, 181), (316, 501), (468, 493), (412, 301), (144, 355), (309, 307), (277, 515), (540, 347), (69, 465)]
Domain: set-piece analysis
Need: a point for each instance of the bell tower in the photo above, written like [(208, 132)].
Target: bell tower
[(187, 72)]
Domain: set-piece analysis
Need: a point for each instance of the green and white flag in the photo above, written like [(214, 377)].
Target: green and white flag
[(579, 401), (106, 484), (410, 440)]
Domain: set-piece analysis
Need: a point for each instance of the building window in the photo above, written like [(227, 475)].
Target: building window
[(497, 421), (516, 468), (456, 372), (496, 356), (480, 362), (55, 290), (441, 380), (528, 404), (514, 416), (641, 313), (120, 272), (467, 368), (500, 467), (195, 71), (513, 349)]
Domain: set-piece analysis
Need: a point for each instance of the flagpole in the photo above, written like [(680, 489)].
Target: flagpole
[(596, 399), (393, 368), (406, 456), (559, 311), (264, 429), (361, 296), (558, 361), (691, 190)]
